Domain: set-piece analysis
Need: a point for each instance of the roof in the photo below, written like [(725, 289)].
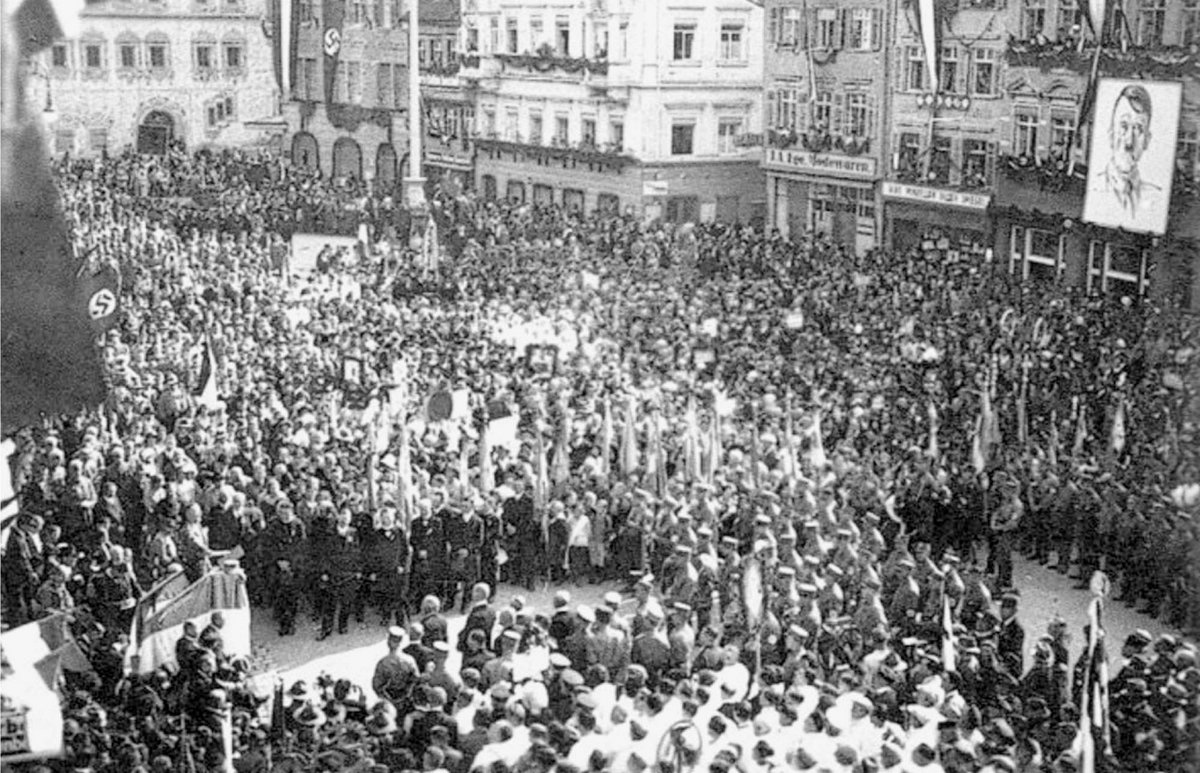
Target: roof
[(444, 11)]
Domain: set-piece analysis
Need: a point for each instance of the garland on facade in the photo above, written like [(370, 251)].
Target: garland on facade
[(1053, 173), (819, 142), (470, 60), (545, 62), (1137, 62), (348, 117), (443, 69), (547, 152)]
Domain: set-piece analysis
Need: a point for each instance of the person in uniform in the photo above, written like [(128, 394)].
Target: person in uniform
[(481, 617), (681, 636), (1010, 645), (428, 552), (651, 650), (396, 672), (464, 541), (341, 569), (283, 547), (386, 566)]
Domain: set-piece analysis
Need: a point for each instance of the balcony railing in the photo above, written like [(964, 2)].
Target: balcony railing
[(818, 141), (1160, 62), (558, 150), (545, 61)]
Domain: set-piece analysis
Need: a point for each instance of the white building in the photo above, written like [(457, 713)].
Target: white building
[(195, 71), (653, 105)]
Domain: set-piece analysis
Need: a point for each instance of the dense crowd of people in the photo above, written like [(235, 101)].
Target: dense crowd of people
[(794, 458)]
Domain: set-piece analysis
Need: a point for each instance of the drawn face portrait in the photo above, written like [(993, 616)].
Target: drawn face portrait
[(1129, 132)]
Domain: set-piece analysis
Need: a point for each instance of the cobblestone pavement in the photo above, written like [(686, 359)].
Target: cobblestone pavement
[(1044, 593)]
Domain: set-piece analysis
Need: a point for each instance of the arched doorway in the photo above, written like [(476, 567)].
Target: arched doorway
[(385, 168), (155, 132), (305, 153), (347, 158)]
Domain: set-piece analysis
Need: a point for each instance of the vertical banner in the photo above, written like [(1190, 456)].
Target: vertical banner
[(929, 38), (334, 11), (285, 20)]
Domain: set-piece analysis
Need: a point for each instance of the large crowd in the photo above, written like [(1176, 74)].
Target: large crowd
[(892, 427)]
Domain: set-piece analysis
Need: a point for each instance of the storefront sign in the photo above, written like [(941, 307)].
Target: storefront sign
[(820, 163), (463, 162), (655, 187), (944, 196)]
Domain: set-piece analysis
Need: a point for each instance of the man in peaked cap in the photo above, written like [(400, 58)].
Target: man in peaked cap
[(1011, 639)]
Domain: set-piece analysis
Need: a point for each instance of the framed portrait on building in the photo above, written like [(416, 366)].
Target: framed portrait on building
[(1132, 160)]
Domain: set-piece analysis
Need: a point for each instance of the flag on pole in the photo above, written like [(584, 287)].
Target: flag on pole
[(816, 453), (1023, 407), (606, 439), (692, 451), (1116, 442), (207, 384), (927, 17), (932, 450), (1081, 432), (284, 23), (1052, 452), (561, 472), (629, 449), (1094, 738), (978, 458), (486, 475), (541, 482), (949, 641)]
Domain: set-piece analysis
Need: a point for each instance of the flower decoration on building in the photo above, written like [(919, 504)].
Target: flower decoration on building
[(1163, 62)]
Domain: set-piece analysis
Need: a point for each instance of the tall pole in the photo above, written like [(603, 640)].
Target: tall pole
[(415, 182)]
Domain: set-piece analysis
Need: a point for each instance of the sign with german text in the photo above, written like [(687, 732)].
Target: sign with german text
[(862, 167), (925, 194)]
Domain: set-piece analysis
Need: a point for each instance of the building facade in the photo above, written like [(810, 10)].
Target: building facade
[(947, 127), (449, 109), (826, 81), (148, 72), (1038, 211), (621, 105)]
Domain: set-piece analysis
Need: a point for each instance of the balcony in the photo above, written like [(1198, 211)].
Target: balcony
[(569, 155), (547, 61), (818, 141)]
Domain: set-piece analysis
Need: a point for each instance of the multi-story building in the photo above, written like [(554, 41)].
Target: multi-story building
[(449, 109), (147, 72), (826, 68), (943, 143), (1039, 202), (348, 112), (641, 105)]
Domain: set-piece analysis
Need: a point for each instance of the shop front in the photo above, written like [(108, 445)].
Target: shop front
[(825, 194), (927, 217)]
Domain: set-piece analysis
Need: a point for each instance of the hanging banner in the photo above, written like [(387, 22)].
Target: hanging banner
[(333, 12)]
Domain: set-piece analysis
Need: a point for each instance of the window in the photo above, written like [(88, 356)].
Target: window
[(307, 11), (204, 56), (914, 71), (354, 90), (588, 132), (472, 40), (127, 55), (732, 49), (983, 79), (64, 141), (360, 11), (234, 59), (1033, 18), (978, 158), (562, 35), (827, 31), (908, 154), (789, 103), (616, 134), (1116, 269), (510, 28), (1025, 127), (340, 82), (383, 85), (1061, 127), (537, 32), (862, 29), (948, 69), (435, 53), (306, 83), (1152, 16), (823, 111), (510, 123), (1070, 19), (684, 40), (562, 127), (98, 139), (93, 56), (940, 160), (1037, 254), (858, 115), (157, 54), (1186, 156), (681, 138), (489, 122), (600, 41), (537, 133), (791, 27), (58, 55), (728, 130), (1189, 30), (494, 36)]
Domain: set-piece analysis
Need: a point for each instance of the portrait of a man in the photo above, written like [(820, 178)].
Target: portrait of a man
[(1132, 155)]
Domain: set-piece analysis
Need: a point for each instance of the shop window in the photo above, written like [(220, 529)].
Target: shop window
[(1116, 269), (1037, 254)]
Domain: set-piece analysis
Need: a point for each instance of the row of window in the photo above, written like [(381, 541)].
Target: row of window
[(973, 71), (1117, 269), (844, 112), (1150, 22), (535, 129), (966, 161), (826, 29), (151, 53)]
